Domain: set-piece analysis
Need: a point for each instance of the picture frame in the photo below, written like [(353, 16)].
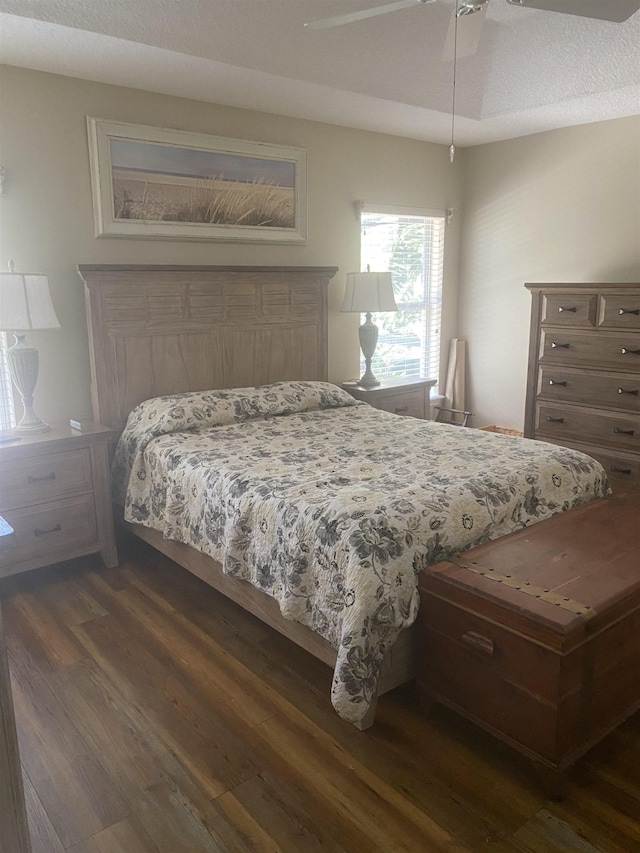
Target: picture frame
[(166, 184)]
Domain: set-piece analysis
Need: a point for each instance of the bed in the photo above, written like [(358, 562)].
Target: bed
[(309, 508)]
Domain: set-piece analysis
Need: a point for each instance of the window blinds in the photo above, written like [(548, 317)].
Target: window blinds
[(7, 414), (410, 244)]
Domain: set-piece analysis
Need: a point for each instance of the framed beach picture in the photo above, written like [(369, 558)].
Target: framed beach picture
[(177, 185)]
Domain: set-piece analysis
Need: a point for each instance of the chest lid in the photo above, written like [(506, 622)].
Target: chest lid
[(559, 581)]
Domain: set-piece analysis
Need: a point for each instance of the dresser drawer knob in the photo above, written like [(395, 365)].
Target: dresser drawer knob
[(619, 431), (32, 480), (551, 420), (478, 642), (401, 409), (561, 309), (554, 345), (626, 351), (556, 382), (634, 391), (635, 311), (56, 529), (615, 470)]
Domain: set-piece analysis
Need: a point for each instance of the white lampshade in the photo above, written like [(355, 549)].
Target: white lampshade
[(369, 292), (25, 303)]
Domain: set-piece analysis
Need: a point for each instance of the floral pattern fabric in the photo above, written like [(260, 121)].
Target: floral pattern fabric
[(333, 507)]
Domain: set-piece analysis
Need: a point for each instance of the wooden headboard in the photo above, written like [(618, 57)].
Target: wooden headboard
[(157, 330)]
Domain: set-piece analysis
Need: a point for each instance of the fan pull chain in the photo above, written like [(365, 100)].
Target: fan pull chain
[(452, 149)]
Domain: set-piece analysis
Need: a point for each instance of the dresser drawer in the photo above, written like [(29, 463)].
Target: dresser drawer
[(41, 478), (598, 388), (604, 350), (569, 310), (618, 311), (569, 423), (407, 403), (623, 471), (60, 529)]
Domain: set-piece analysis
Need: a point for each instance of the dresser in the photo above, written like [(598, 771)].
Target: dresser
[(398, 395), (583, 388), (54, 492)]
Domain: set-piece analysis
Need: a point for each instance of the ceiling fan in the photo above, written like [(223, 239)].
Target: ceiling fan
[(466, 24)]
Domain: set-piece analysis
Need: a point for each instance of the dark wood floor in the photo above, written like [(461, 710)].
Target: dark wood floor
[(154, 715)]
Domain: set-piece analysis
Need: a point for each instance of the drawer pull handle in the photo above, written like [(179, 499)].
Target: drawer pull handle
[(626, 351), (402, 409), (616, 470), (551, 420), (619, 431), (554, 345), (556, 382), (562, 308), (635, 311), (478, 642), (32, 480), (55, 529), (634, 391)]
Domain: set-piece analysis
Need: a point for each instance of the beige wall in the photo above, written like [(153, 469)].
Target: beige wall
[(558, 206), (47, 223)]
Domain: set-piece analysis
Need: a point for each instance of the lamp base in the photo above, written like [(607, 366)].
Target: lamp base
[(368, 380), (23, 367), (31, 428), (368, 334)]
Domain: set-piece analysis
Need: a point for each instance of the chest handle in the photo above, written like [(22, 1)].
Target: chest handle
[(554, 345), (619, 431), (634, 391), (635, 311), (561, 309), (476, 641), (556, 382), (625, 351), (551, 420)]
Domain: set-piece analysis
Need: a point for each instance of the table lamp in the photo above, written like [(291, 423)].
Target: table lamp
[(25, 305), (368, 293)]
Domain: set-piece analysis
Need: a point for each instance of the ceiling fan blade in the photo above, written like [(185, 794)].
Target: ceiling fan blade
[(616, 11), (338, 20), (469, 29)]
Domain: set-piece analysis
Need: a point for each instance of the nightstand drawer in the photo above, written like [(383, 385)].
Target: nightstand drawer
[(40, 478), (409, 404), (59, 528)]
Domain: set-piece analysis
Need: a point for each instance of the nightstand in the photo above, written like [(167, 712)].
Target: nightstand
[(55, 494), (400, 396)]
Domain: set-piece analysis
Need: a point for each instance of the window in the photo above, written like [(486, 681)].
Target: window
[(409, 243), (7, 414)]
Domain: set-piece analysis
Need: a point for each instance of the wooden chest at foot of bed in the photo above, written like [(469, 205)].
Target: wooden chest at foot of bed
[(536, 636)]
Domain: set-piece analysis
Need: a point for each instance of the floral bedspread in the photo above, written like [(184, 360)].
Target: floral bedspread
[(333, 507)]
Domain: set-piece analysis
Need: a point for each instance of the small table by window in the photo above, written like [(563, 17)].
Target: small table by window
[(398, 395)]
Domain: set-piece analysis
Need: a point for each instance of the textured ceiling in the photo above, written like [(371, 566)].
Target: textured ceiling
[(533, 70)]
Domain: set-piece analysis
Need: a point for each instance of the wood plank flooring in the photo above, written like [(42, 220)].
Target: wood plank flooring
[(155, 716)]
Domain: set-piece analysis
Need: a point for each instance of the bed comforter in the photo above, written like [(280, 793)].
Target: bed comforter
[(333, 507)]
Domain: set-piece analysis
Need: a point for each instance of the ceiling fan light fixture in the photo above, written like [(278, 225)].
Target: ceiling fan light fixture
[(470, 8)]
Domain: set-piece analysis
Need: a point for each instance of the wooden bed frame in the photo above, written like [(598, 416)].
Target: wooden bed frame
[(156, 330)]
